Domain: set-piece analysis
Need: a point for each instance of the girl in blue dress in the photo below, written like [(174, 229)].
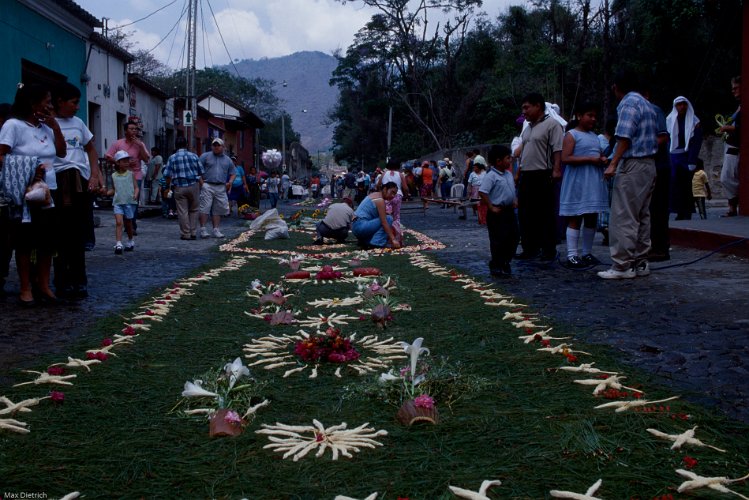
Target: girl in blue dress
[(372, 226), (583, 193)]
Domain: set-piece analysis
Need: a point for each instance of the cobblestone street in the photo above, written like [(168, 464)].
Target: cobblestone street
[(688, 325)]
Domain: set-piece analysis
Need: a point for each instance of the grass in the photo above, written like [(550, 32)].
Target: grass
[(529, 426)]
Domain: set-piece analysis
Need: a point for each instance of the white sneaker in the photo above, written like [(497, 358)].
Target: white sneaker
[(118, 248), (642, 269), (216, 233), (129, 246), (613, 274), (204, 232)]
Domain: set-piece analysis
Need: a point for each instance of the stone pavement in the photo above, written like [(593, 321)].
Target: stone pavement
[(115, 282), (687, 325)]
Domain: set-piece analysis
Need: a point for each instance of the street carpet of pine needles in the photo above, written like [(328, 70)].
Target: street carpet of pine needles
[(118, 435)]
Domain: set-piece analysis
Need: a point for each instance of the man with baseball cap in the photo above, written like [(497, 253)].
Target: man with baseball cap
[(214, 200)]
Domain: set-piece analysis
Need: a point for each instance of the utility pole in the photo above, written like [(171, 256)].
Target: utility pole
[(190, 102), (390, 131)]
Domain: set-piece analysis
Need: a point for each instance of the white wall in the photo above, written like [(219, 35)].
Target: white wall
[(108, 74)]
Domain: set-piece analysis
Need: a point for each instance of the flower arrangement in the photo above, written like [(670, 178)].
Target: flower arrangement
[(248, 212), (219, 398), (327, 273), (331, 347)]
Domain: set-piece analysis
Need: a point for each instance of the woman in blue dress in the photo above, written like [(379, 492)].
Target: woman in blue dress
[(583, 193), (372, 226)]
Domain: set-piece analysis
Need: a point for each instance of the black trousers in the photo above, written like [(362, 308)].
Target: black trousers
[(659, 213), (536, 214), (324, 231), (74, 231), (503, 236)]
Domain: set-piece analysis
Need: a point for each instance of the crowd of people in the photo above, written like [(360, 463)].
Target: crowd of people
[(624, 181)]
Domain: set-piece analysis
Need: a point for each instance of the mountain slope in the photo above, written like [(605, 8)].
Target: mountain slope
[(307, 75)]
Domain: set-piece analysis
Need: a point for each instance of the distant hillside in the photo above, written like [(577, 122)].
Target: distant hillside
[(307, 75)]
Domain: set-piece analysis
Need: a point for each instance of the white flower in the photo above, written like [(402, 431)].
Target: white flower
[(387, 377), (235, 371), (194, 389), (256, 284), (414, 350)]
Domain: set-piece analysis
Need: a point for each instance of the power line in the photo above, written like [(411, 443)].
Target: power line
[(222, 39), (236, 31), (144, 18), (168, 33), (205, 40), (171, 47)]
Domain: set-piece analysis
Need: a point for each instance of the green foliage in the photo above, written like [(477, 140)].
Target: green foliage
[(459, 91)]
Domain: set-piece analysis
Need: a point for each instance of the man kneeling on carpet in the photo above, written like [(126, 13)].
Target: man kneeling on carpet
[(337, 222), (372, 226)]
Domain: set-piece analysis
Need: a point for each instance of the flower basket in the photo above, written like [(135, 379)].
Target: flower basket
[(222, 426), (250, 215), (411, 413)]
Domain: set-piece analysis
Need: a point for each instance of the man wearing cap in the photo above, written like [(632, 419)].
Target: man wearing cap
[(214, 200), (182, 175), (337, 222)]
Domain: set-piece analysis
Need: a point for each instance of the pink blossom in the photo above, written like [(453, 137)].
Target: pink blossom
[(56, 370), (106, 342), (128, 330), (232, 417), (57, 396), (424, 401), (278, 293)]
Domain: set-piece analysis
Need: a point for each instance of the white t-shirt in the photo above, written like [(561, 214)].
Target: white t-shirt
[(28, 140), (392, 176), (77, 136)]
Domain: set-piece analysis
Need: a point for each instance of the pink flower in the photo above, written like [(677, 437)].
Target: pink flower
[(278, 293), (128, 330), (57, 396), (139, 321), (232, 417), (101, 356), (424, 401), (106, 342), (56, 370)]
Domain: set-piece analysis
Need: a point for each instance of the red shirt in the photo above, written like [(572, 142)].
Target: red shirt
[(137, 152)]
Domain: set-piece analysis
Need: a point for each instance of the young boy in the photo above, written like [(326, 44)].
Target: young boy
[(125, 201), (497, 191), (700, 188)]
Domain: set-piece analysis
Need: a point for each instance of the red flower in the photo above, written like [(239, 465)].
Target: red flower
[(128, 330), (637, 395), (56, 370), (362, 318), (571, 358), (150, 312), (689, 462), (106, 342), (537, 337), (101, 356), (546, 343), (57, 396), (138, 321)]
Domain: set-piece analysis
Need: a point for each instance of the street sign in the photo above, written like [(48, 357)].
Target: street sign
[(187, 118)]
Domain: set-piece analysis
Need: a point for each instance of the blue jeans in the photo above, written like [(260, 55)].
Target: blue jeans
[(446, 186), (273, 197), (370, 232)]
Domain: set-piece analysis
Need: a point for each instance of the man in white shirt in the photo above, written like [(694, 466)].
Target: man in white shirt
[(337, 222)]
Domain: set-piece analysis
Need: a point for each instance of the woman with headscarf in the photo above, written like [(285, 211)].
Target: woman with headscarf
[(686, 141)]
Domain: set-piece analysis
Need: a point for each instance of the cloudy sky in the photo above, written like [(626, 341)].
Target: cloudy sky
[(252, 29)]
